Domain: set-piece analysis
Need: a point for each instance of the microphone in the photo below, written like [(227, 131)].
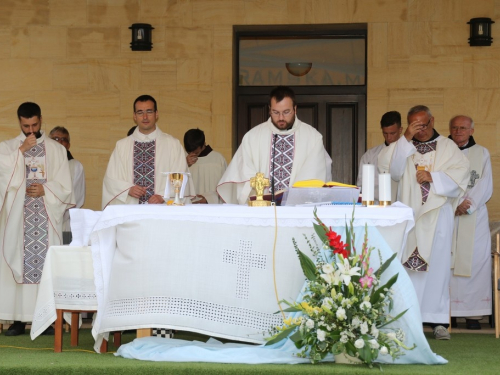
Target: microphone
[(272, 177)]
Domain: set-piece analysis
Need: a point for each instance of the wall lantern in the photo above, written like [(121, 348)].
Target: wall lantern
[(480, 31), (298, 69), (141, 37)]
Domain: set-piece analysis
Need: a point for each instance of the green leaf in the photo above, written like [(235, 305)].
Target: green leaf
[(376, 295), (296, 336), (320, 232), (289, 309), (280, 336), (386, 264), (394, 319), (308, 266)]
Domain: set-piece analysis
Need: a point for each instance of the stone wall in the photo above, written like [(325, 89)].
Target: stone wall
[(73, 58)]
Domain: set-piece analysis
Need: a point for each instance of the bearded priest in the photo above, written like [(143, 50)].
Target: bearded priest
[(284, 148), (35, 191)]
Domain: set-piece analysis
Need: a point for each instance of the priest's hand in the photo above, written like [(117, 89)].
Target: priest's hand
[(199, 199), (156, 199), (191, 159), (413, 129), (424, 176), (462, 208), (29, 142), (137, 191), (35, 191)]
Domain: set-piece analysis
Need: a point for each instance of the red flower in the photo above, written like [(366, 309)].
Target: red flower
[(336, 243)]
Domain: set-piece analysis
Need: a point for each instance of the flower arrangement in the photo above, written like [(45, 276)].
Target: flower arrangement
[(344, 309)]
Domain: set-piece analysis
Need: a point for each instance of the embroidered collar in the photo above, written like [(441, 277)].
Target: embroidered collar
[(434, 136)]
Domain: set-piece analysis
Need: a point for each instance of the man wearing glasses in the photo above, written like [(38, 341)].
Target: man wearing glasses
[(432, 174), (284, 148), (134, 170), (35, 191), (471, 278), (61, 134)]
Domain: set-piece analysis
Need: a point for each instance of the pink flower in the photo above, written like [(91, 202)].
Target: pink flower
[(366, 281)]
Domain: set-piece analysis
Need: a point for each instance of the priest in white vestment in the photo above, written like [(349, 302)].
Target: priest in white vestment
[(35, 191), (134, 173), (432, 174), (205, 165), (390, 124), (284, 148), (61, 134), (471, 274)]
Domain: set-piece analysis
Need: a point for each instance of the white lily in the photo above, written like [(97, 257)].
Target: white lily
[(346, 271)]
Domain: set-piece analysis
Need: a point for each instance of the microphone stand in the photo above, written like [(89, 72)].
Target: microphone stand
[(273, 203)]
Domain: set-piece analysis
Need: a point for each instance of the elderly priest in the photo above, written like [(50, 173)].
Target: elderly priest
[(471, 279), (432, 174), (283, 148)]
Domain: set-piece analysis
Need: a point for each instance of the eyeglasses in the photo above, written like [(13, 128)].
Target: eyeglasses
[(459, 128), (286, 113), (428, 122), (148, 112), (61, 139)]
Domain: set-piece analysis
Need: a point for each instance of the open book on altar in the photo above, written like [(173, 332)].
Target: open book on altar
[(320, 184), (317, 192)]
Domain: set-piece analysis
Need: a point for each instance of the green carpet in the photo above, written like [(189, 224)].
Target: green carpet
[(467, 354)]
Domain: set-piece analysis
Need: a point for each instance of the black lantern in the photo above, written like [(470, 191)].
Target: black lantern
[(141, 37), (480, 31)]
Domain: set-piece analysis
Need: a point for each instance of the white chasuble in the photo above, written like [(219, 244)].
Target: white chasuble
[(169, 156), (470, 283), (308, 161), (449, 171), (428, 246), (23, 256)]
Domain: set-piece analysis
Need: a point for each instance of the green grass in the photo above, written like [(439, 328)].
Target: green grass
[(467, 354)]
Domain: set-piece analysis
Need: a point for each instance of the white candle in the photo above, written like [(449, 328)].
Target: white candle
[(384, 187), (368, 185)]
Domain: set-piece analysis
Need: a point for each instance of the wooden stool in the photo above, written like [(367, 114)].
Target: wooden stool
[(75, 319)]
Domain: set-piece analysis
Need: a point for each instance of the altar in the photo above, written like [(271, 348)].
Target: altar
[(217, 270)]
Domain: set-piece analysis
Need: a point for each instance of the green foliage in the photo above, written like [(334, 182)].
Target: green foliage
[(344, 307)]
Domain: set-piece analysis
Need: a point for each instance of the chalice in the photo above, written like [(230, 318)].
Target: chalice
[(176, 179)]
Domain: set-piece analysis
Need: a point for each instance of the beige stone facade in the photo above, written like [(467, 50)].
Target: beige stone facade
[(73, 58)]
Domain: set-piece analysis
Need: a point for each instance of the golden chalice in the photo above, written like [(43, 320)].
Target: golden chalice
[(176, 179)]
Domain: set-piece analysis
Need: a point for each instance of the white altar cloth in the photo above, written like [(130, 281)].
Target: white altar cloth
[(209, 269), (67, 283)]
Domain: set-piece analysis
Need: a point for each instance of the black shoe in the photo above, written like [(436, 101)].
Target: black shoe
[(49, 331), (454, 323), (472, 324), (16, 329)]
